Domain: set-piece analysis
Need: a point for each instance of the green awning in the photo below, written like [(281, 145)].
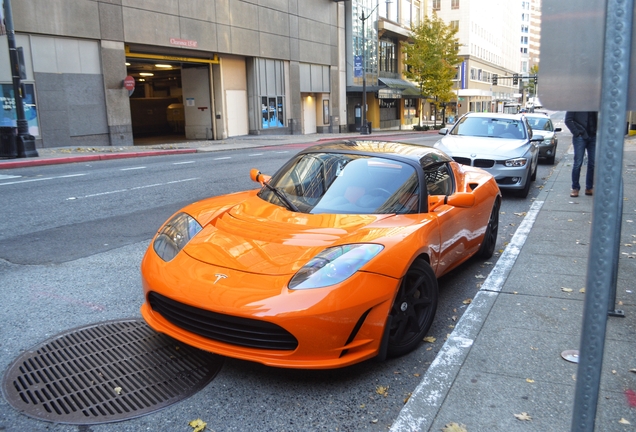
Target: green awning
[(407, 88)]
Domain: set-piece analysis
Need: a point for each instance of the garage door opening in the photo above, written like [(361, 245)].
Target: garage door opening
[(156, 103)]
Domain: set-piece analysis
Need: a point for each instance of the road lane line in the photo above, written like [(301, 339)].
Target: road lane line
[(256, 154), (131, 189), (183, 163), (41, 179), (222, 158), (133, 168)]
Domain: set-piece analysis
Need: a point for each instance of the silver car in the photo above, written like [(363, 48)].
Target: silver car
[(502, 144), (541, 124)]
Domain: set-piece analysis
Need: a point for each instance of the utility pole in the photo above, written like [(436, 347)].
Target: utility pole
[(364, 127), (25, 142)]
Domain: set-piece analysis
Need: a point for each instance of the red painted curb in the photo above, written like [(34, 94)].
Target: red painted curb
[(89, 158)]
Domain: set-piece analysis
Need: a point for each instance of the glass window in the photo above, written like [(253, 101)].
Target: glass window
[(436, 5), (439, 180), (8, 115), (388, 56), (271, 90), (454, 4)]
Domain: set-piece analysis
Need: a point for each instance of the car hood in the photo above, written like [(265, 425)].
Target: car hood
[(258, 237), (482, 147)]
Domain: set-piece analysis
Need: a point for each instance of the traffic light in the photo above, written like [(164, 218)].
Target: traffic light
[(494, 79), (536, 79), (515, 79)]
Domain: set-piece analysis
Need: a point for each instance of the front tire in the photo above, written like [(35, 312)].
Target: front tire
[(487, 248), (413, 310), (523, 193)]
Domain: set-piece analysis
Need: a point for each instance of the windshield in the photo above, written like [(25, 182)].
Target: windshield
[(346, 184), (490, 127), (540, 123)]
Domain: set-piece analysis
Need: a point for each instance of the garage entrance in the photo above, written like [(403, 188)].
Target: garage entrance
[(172, 100)]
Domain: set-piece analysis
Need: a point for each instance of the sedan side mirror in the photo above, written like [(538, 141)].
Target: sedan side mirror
[(537, 138), (443, 131), (558, 129)]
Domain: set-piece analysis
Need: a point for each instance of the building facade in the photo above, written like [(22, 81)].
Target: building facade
[(105, 72), (488, 33)]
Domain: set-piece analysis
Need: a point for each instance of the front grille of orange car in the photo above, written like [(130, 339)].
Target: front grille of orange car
[(229, 329)]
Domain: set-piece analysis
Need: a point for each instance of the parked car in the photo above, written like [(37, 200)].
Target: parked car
[(541, 124), (334, 260), (502, 144)]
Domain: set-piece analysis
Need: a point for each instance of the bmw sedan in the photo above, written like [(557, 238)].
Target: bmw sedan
[(541, 124), (502, 144)]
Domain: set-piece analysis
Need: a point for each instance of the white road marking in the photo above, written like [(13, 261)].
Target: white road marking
[(222, 158), (282, 151), (133, 168), (41, 179), (183, 163), (6, 177), (256, 154), (131, 189)]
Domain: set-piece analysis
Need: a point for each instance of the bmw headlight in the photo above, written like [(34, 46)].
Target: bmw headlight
[(334, 265), (519, 162), (547, 141), (174, 235)]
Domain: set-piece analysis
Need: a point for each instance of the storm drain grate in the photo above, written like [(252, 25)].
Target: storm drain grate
[(106, 372)]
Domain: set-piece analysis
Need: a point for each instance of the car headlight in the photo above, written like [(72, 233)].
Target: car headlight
[(334, 265), (174, 235), (547, 141), (519, 162)]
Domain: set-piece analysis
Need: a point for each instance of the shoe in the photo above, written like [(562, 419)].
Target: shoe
[(574, 193), (589, 192)]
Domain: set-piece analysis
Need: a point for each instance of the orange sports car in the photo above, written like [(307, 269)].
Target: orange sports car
[(334, 260)]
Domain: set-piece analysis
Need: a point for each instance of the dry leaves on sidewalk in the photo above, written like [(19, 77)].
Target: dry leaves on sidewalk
[(198, 425), (523, 416), (454, 427)]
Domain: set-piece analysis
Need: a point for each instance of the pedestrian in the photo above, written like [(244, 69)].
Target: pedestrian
[(583, 125)]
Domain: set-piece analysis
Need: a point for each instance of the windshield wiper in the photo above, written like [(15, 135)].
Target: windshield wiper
[(280, 194)]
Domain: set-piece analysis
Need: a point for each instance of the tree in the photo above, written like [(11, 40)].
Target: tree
[(431, 59)]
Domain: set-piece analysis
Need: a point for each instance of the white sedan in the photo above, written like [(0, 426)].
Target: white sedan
[(502, 144)]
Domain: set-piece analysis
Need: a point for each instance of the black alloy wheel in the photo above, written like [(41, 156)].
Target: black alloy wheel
[(414, 308), (487, 248)]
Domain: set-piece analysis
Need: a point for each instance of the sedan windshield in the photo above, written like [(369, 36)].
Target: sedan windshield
[(346, 184), (540, 123), (490, 127)]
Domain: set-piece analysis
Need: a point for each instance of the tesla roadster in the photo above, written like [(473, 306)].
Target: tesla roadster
[(332, 261)]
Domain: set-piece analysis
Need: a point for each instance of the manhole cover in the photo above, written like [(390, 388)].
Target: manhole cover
[(106, 372)]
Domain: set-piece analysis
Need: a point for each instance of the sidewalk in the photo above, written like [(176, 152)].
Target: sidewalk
[(502, 367)]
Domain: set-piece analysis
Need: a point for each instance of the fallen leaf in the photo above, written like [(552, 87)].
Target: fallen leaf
[(521, 214), (529, 380), (374, 421), (382, 390), (118, 390), (198, 425), (480, 276), (566, 289), (454, 317), (523, 416), (582, 290), (408, 396), (429, 339), (454, 427), (633, 370), (416, 374), (362, 406), (624, 421), (468, 301)]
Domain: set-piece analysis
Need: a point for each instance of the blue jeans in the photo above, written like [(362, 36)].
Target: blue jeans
[(581, 145)]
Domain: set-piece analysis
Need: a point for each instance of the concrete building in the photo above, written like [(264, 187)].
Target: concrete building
[(375, 30), (488, 33), (106, 72)]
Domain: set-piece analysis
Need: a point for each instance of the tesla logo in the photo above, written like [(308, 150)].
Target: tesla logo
[(219, 276)]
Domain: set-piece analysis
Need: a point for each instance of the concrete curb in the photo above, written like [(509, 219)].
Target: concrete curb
[(89, 158)]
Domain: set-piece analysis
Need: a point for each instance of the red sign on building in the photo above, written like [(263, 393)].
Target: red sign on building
[(184, 42)]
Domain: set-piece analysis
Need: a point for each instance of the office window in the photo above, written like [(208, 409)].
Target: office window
[(454, 25), (406, 13), (454, 4), (436, 5), (388, 56)]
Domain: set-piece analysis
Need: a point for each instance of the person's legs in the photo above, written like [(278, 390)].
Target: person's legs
[(591, 159), (578, 144)]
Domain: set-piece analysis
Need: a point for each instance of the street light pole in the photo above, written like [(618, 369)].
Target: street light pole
[(25, 142), (364, 128)]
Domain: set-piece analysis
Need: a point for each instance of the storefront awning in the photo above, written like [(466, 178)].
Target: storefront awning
[(405, 88)]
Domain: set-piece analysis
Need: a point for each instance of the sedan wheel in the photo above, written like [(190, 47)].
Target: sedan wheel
[(413, 310)]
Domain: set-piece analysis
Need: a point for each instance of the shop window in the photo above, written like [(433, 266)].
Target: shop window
[(272, 111), (271, 87), (8, 116)]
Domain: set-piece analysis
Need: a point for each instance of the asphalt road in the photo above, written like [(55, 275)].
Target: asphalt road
[(71, 240)]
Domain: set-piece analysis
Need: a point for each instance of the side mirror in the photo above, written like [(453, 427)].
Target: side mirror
[(459, 199), (443, 131), (537, 138), (257, 177), (558, 129)]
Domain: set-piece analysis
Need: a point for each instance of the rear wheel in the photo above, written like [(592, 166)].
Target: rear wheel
[(413, 309), (487, 248)]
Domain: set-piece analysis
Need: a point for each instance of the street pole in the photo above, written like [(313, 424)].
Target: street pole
[(364, 129), (25, 142)]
